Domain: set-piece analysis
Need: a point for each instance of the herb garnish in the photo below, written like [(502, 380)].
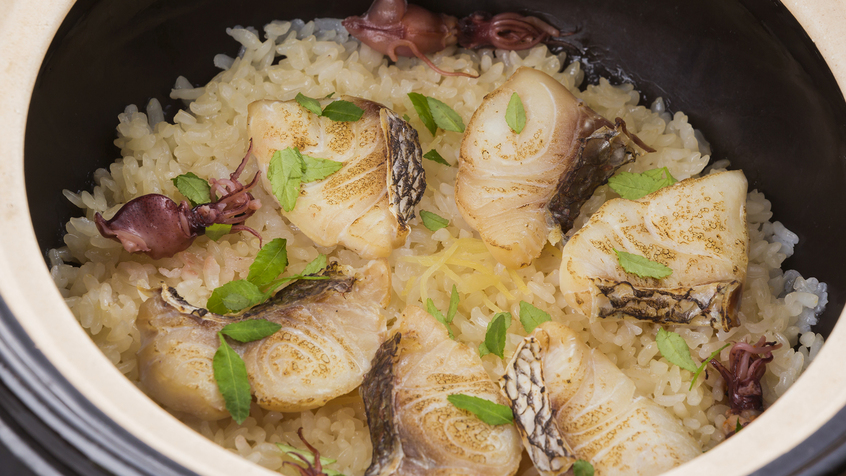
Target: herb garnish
[(216, 231), (433, 221), (338, 111), (453, 309), (230, 373), (633, 186), (495, 336), (737, 426), (195, 189), (705, 363), (641, 266), (582, 468), (674, 348), (531, 317), (486, 410), (515, 114), (434, 156), (308, 457), (435, 114), (289, 169)]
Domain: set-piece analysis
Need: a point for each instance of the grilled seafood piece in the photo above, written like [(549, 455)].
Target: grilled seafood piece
[(697, 227), (366, 205), (570, 402), (414, 428), (518, 190), (330, 332)]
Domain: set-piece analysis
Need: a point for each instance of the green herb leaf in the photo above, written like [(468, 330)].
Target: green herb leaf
[(486, 410), (582, 468), (317, 265), (515, 114), (421, 105), (453, 304), (432, 221), (329, 95), (285, 173), (195, 189), (737, 426), (633, 186), (309, 456), (270, 262), (705, 364), (311, 104), (217, 231), (343, 111), (319, 169), (234, 296), (641, 266), (496, 333), (674, 348), (531, 317), (434, 156), (483, 350), (230, 373), (251, 330), (406, 118), (430, 306), (444, 116)]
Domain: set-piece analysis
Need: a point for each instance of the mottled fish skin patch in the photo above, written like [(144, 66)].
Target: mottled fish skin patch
[(377, 391), (406, 177)]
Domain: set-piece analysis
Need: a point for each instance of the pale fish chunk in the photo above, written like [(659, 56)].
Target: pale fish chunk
[(696, 227), (571, 402), (414, 428), (331, 329), (367, 204), (520, 190)]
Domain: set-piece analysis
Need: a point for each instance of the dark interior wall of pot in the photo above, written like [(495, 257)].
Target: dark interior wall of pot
[(744, 72)]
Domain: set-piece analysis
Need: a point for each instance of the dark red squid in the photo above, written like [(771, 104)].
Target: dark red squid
[(310, 469), (396, 28), (154, 224), (747, 364)]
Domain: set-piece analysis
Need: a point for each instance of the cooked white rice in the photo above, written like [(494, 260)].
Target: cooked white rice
[(104, 286)]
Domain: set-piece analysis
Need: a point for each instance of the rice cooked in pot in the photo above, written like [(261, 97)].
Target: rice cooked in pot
[(105, 286)]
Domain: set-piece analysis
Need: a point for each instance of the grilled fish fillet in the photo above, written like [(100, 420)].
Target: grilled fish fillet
[(414, 428), (366, 205), (330, 332), (697, 227), (570, 402)]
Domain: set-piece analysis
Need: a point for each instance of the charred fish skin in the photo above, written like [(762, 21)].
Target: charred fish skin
[(595, 407), (696, 227), (523, 386), (366, 205), (330, 331), (414, 428), (520, 189)]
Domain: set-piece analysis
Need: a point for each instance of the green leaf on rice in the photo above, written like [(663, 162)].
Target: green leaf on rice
[(406, 118), (285, 174), (515, 114), (309, 456), (343, 111), (434, 156), (230, 373), (486, 410), (421, 105), (705, 363), (453, 304), (250, 330), (433, 221), (582, 468), (234, 296), (531, 317), (674, 348), (270, 262), (430, 307), (444, 116), (195, 189), (483, 350), (317, 265), (318, 169), (496, 334), (217, 231), (311, 104), (642, 266), (633, 186)]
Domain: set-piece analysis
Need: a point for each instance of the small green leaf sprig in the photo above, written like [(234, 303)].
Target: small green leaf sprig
[(633, 186), (433, 221), (495, 336), (583, 468), (453, 309), (289, 169), (435, 114), (674, 348), (485, 410), (641, 266), (515, 114), (198, 192), (338, 111)]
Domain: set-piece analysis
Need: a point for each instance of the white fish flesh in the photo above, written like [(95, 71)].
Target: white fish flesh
[(366, 205), (519, 190), (571, 402), (414, 428), (696, 227), (330, 332)]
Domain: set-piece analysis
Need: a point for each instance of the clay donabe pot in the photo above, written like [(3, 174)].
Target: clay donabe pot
[(748, 73)]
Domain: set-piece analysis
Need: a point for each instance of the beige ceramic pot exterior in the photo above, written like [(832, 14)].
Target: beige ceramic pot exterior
[(26, 30)]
